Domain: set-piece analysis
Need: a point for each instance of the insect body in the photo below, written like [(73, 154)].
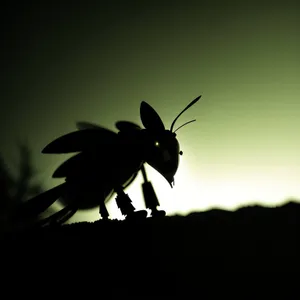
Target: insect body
[(105, 163)]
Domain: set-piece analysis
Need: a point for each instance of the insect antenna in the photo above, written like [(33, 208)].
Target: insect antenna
[(184, 124), (192, 103)]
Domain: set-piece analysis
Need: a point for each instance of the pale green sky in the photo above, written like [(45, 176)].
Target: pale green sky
[(97, 64)]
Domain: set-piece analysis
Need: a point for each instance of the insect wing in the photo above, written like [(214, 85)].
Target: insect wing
[(82, 125), (81, 140), (69, 166), (126, 126), (39, 203), (87, 165)]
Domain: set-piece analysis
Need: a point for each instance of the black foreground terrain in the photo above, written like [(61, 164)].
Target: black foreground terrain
[(126, 255)]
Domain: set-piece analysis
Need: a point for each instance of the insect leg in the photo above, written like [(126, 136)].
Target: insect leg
[(150, 197), (124, 203), (103, 211)]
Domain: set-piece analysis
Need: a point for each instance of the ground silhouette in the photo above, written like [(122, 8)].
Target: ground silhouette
[(158, 254)]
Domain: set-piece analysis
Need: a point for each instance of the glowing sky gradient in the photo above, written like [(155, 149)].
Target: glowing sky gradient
[(95, 63)]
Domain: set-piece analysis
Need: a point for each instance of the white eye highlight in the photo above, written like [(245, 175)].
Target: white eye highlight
[(157, 144)]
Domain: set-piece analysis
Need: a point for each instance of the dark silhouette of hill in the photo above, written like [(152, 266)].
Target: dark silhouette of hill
[(162, 253)]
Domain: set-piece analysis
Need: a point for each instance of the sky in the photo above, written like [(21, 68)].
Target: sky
[(97, 62)]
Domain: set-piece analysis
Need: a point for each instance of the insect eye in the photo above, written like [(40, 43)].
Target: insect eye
[(180, 152)]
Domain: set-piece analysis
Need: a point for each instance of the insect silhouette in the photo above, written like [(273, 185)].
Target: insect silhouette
[(106, 163)]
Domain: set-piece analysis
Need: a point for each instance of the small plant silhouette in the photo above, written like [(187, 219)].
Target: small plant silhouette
[(15, 190)]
